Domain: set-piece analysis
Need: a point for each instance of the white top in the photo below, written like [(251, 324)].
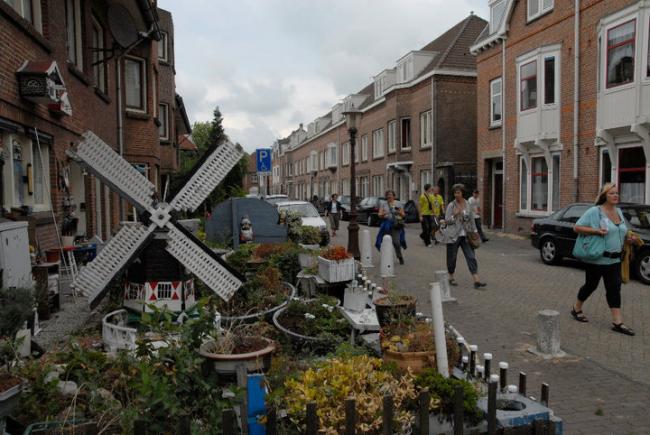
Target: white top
[(334, 210), (474, 205)]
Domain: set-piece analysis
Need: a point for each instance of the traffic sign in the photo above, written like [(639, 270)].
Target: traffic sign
[(263, 159)]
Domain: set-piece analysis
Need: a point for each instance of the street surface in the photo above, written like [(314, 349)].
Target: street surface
[(600, 387)]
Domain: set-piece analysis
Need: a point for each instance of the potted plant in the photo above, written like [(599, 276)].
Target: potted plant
[(309, 242), (238, 345), (336, 265), (409, 344), (315, 321), (394, 306)]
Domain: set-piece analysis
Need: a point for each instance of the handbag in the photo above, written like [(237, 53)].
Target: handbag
[(589, 248), (474, 240)]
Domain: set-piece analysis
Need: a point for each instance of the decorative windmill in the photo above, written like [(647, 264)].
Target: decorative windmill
[(159, 236)]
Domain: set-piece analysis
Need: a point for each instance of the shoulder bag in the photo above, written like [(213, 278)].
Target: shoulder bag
[(474, 240), (589, 248)]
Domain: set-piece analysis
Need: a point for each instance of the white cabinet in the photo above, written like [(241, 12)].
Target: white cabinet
[(14, 255)]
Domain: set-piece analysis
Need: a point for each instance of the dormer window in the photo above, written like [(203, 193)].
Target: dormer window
[(405, 70), (497, 9), (537, 8)]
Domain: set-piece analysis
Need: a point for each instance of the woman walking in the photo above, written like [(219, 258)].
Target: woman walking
[(604, 220), (333, 210), (459, 221), (392, 223)]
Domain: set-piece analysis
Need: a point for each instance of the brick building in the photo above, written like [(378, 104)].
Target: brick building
[(418, 126), (563, 105), (59, 78)]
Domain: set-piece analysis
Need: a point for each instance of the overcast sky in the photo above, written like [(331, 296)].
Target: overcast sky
[(272, 64)]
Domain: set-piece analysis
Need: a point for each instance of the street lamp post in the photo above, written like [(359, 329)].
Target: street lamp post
[(352, 119)]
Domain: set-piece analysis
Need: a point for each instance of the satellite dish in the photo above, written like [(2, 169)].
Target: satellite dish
[(122, 25)]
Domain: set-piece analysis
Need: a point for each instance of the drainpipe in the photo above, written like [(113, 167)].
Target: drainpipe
[(434, 136), (576, 99), (503, 132)]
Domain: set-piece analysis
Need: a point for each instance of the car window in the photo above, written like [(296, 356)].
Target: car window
[(573, 213), (638, 217), (304, 210)]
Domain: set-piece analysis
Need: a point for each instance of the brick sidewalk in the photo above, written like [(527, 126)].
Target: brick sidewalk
[(605, 373)]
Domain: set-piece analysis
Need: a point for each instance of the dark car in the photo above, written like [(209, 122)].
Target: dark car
[(368, 210), (345, 206), (555, 238)]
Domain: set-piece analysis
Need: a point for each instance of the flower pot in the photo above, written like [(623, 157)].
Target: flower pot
[(388, 310), (307, 261), (266, 314), (256, 360), (416, 361), (53, 255), (336, 271)]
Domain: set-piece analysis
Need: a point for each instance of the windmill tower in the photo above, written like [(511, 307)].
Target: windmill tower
[(158, 233)]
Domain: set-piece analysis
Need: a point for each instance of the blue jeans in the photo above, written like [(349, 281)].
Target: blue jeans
[(468, 252)]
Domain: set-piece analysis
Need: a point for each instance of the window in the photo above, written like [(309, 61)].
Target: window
[(605, 167), (345, 184), (99, 66), (345, 154), (549, 80), (406, 134), (331, 156), (364, 184), (425, 178), (364, 148), (497, 10), (164, 290), (163, 117), (392, 136), (378, 185), (73, 32), (24, 8), (573, 213), (538, 7), (378, 143), (135, 84), (495, 102), (523, 185), (632, 174), (539, 183), (163, 47), (556, 182), (25, 179), (620, 54), (426, 134), (528, 86)]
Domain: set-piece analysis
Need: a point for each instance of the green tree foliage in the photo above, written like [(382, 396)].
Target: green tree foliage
[(205, 135)]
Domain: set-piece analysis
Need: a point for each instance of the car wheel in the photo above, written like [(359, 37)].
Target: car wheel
[(548, 251), (643, 266)]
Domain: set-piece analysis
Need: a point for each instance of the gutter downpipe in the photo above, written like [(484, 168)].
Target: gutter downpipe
[(503, 132), (434, 133), (576, 99)]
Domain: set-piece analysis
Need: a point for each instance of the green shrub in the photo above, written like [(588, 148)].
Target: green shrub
[(16, 308), (443, 389)]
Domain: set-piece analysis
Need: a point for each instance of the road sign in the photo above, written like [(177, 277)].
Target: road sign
[(263, 159)]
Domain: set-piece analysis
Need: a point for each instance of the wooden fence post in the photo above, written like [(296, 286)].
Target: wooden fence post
[(387, 415), (271, 422), (350, 416), (242, 382), (184, 425), (228, 421), (545, 392), (424, 400), (492, 408), (522, 383), (459, 411), (312, 419)]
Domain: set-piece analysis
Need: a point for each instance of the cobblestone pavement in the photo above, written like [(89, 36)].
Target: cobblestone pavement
[(601, 387)]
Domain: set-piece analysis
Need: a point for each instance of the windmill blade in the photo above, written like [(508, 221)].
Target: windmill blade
[(206, 265), (93, 280), (100, 159), (210, 173)]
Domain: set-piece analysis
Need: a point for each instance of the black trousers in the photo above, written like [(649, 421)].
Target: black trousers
[(427, 229), (468, 252), (611, 274), (479, 228)]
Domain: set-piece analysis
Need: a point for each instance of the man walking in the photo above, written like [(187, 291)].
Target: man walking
[(475, 205), (431, 209)]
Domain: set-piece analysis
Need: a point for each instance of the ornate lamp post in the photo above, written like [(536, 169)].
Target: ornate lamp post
[(352, 119)]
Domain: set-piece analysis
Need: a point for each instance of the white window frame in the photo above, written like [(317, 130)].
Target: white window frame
[(164, 121), (331, 156), (541, 8), (539, 55), (425, 178), (28, 162), (164, 44), (493, 5), (364, 148), (550, 193), (401, 135), (36, 18), (99, 65), (143, 85), (345, 153), (378, 185), (392, 136), (378, 143), (426, 130), (74, 51), (494, 95)]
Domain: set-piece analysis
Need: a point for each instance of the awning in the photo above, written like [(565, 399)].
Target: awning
[(402, 166)]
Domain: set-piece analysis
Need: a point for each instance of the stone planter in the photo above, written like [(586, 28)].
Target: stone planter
[(336, 271), (389, 310), (8, 400), (265, 314), (258, 360)]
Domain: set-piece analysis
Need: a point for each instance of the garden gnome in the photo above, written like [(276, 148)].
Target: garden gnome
[(245, 230)]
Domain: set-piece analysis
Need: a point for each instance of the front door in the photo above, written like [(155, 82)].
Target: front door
[(497, 200)]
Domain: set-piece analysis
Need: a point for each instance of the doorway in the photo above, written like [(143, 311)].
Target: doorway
[(497, 196), (78, 196)]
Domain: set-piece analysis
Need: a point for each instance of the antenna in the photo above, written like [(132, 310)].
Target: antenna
[(122, 25)]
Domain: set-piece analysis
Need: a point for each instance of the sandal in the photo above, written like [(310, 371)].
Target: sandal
[(453, 282), (578, 315), (622, 329)]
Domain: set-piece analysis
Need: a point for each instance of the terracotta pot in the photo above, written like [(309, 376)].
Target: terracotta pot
[(387, 310), (253, 361)]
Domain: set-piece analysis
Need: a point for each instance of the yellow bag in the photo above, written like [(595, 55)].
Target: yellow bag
[(627, 255)]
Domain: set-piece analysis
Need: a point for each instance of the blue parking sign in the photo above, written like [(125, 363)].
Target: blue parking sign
[(263, 158)]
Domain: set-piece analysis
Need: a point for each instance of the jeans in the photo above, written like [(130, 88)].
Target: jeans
[(477, 221), (611, 274), (427, 229), (394, 234), (468, 252)]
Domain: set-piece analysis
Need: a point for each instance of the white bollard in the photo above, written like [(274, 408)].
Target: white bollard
[(442, 277), (439, 330), (387, 254), (548, 335), (366, 249)]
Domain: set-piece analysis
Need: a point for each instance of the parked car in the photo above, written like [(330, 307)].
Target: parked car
[(555, 238), (345, 206), (309, 215), (274, 199)]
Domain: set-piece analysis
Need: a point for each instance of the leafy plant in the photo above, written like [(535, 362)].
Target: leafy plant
[(16, 308), (318, 318), (408, 336), (336, 253), (309, 235), (442, 395)]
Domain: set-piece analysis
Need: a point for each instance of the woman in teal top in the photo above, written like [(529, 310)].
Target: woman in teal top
[(604, 220)]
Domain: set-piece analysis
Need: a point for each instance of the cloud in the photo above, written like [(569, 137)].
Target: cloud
[(270, 65)]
